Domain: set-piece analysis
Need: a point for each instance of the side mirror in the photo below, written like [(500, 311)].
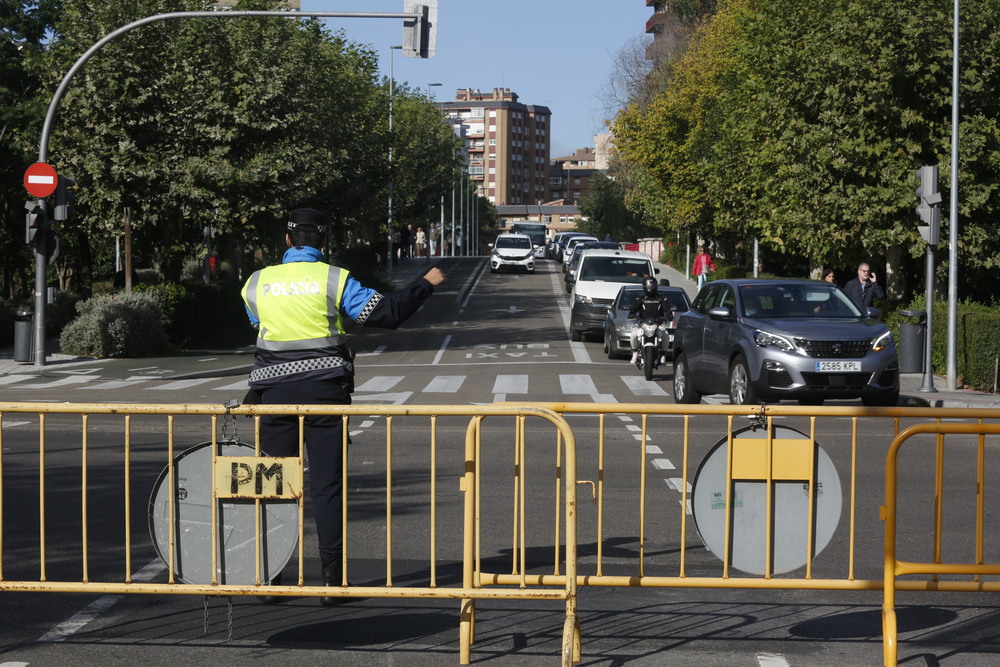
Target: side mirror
[(720, 313), (655, 271), (873, 313), (664, 282)]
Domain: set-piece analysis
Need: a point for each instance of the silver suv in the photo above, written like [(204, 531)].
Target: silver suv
[(768, 340)]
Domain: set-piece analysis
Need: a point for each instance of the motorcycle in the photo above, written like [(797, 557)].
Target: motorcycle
[(652, 350)]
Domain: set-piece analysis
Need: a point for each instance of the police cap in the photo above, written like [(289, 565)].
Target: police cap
[(307, 219)]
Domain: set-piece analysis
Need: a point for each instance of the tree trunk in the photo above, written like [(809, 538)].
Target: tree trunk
[(895, 274)]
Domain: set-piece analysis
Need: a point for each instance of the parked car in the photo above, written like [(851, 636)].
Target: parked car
[(618, 326), (600, 276), (559, 241), (770, 340), (512, 251), (570, 276), (571, 246)]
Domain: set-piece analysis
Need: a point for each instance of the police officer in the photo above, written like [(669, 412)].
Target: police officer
[(301, 358), (651, 306)]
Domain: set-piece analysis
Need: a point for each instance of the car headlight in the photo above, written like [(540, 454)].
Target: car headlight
[(580, 298), (529, 255), (649, 329), (763, 338), (496, 254), (883, 341)]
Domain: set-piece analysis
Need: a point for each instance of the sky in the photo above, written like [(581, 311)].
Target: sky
[(554, 53)]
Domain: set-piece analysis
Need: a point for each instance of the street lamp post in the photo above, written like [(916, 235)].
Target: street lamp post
[(429, 86), (390, 257)]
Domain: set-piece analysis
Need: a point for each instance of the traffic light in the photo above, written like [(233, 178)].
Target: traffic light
[(65, 196), (928, 200), (35, 221), (420, 34)]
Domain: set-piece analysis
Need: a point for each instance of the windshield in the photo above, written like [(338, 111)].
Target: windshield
[(796, 301), (513, 242), (615, 269)]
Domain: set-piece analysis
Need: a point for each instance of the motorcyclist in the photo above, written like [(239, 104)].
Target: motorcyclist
[(651, 306)]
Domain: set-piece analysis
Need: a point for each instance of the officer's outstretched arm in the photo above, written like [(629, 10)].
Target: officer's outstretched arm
[(388, 311)]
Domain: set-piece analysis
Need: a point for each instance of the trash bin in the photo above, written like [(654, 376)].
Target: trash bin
[(911, 342), (24, 336)]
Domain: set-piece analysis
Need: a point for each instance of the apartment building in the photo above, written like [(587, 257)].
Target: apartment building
[(508, 144)]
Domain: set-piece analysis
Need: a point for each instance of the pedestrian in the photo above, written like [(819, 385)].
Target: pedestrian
[(458, 243), (432, 239), (421, 243), (411, 241), (445, 245), (301, 358), (865, 289), (828, 275), (702, 266)]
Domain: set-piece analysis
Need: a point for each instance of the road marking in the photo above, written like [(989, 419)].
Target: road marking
[(378, 350), (663, 464), (440, 352), (676, 483), (380, 383), (180, 384), (242, 385), (771, 660), (11, 379), (80, 619), (642, 387), (445, 384), (397, 398), (653, 449), (577, 384), (510, 384), (61, 382)]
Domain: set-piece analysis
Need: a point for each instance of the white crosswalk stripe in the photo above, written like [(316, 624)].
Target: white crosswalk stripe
[(397, 389)]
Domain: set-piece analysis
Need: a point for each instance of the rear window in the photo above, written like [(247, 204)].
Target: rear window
[(614, 269)]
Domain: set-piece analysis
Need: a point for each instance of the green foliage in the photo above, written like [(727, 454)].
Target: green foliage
[(977, 345), (802, 124), (122, 325)]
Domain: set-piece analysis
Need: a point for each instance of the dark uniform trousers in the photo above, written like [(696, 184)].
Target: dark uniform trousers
[(324, 447)]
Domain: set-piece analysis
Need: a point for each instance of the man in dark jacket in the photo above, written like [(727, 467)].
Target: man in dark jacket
[(301, 359), (865, 289)]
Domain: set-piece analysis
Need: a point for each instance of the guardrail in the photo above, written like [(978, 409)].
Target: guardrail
[(118, 496), (781, 461)]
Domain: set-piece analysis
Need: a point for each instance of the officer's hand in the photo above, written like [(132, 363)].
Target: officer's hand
[(435, 276)]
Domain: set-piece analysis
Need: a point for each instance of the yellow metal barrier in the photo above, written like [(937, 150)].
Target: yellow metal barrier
[(229, 475), (684, 431), (895, 568), (775, 464)]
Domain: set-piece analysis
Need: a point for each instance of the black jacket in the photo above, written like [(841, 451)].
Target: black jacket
[(863, 293)]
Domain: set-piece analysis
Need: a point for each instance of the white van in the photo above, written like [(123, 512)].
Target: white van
[(599, 276)]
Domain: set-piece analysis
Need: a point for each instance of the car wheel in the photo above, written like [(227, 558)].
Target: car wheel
[(888, 399), (492, 270), (574, 334), (647, 362), (683, 390), (810, 401), (609, 348), (740, 392)]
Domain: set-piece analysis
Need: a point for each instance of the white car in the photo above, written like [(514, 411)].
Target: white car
[(571, 247), (512, 251)]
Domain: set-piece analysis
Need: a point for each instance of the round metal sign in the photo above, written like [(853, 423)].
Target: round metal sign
[(235, 532), (790, 500), (40, 179)]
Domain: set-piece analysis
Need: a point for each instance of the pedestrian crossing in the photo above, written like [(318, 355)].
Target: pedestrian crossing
[(396, 389)]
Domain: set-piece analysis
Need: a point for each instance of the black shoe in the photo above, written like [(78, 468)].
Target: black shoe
[(272, 599), (333, 575)]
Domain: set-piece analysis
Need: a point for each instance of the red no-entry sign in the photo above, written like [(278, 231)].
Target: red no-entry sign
[(40, 179)]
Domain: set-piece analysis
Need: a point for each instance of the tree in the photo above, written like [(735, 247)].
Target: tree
[(23, 28), (229, 122), (803, 124)]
